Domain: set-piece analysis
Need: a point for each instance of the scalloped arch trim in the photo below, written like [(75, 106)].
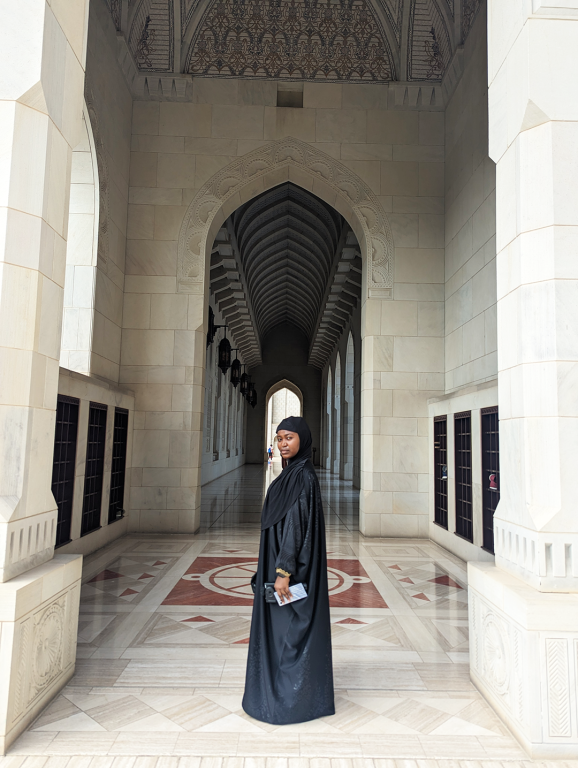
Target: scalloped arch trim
[(326, 177)]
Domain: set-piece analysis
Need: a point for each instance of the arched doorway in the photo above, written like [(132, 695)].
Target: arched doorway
[(242, 181), (283, 399)]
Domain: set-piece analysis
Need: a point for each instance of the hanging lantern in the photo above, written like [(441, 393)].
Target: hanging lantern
[(250, 393), (253, 398), (211, 327), (235, 372), (244, 385), (224, 355)]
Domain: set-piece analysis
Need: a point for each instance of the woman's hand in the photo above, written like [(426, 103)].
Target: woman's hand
[(282, 588)]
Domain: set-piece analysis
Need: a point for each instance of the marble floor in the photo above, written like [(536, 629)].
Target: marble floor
[(162, 643)]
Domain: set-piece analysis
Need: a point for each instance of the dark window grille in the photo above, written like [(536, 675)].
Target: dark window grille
[(441, 470), (118, 471), (64, 464), (490, 473), (94, 472), (463, 458)]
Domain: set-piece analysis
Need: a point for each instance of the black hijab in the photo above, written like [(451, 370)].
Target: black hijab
[(285, 489)]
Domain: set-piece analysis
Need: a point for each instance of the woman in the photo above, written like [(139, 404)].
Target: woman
[(289, 670)]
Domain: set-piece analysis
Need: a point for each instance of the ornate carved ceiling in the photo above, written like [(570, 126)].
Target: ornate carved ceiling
[(286, 257), (326, 40)]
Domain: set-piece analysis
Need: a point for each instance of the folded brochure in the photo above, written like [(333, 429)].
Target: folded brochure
[(297, 593)]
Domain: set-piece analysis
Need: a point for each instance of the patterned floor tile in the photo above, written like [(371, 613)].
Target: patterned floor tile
[(162, 659)]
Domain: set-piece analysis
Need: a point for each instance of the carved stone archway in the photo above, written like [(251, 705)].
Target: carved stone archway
[(293, 160)]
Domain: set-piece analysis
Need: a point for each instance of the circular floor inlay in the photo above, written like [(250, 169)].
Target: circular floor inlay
[(234, 579)]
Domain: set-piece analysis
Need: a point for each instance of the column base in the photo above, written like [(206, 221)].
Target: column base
[(524, 659), (38, 630)]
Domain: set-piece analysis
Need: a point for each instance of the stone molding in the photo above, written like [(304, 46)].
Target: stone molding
[(352, 192), (239, 315), (27, 542), (548, 561), (416, 96)]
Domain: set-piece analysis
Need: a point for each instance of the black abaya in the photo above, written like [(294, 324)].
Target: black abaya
[(289, 669)]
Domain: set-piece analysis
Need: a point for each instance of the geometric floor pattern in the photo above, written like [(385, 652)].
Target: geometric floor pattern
[(163, 632)]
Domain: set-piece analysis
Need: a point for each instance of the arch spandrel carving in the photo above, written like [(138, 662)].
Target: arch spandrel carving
[(330, 181)]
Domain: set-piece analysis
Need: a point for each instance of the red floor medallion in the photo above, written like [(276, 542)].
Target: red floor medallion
[(226, 581)]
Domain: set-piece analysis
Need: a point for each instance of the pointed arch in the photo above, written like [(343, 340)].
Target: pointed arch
[(287, 159), (280, 386), (285, 384)]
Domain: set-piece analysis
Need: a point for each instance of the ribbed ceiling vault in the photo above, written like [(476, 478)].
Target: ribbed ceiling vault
[(287, 241), (286, 257)]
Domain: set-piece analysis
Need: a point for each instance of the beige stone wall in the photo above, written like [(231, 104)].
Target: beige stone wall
[(399, 153), (470, 235)]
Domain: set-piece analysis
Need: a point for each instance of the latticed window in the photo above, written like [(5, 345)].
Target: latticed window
[(64, 463), (94, 472), (490, 473), (118, 470), (463, 459), (441, 470)]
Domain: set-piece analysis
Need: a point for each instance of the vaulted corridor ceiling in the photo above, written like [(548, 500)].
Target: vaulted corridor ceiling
[(322, 40), (287, 240)]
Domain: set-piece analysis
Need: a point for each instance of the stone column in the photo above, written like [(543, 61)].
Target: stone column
[(41, 95), (524, 654)]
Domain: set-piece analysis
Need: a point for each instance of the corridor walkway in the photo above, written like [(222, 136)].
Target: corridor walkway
[(163, 634)]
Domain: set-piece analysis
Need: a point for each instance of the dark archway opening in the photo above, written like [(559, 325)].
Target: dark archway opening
[(286, 281)]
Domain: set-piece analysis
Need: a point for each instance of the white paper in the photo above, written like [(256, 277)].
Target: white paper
[(297, 593)]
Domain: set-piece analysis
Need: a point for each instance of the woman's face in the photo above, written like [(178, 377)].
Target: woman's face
[(288, 443)]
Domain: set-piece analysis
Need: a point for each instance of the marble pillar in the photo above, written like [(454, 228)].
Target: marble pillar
[(524, 609), (41, 95)]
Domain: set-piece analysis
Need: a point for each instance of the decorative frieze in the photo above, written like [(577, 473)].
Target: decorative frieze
[(546, 560), (327, 40), (26, 543)]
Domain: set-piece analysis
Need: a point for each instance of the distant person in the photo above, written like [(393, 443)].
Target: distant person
[(289, 669), (270, 453)]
